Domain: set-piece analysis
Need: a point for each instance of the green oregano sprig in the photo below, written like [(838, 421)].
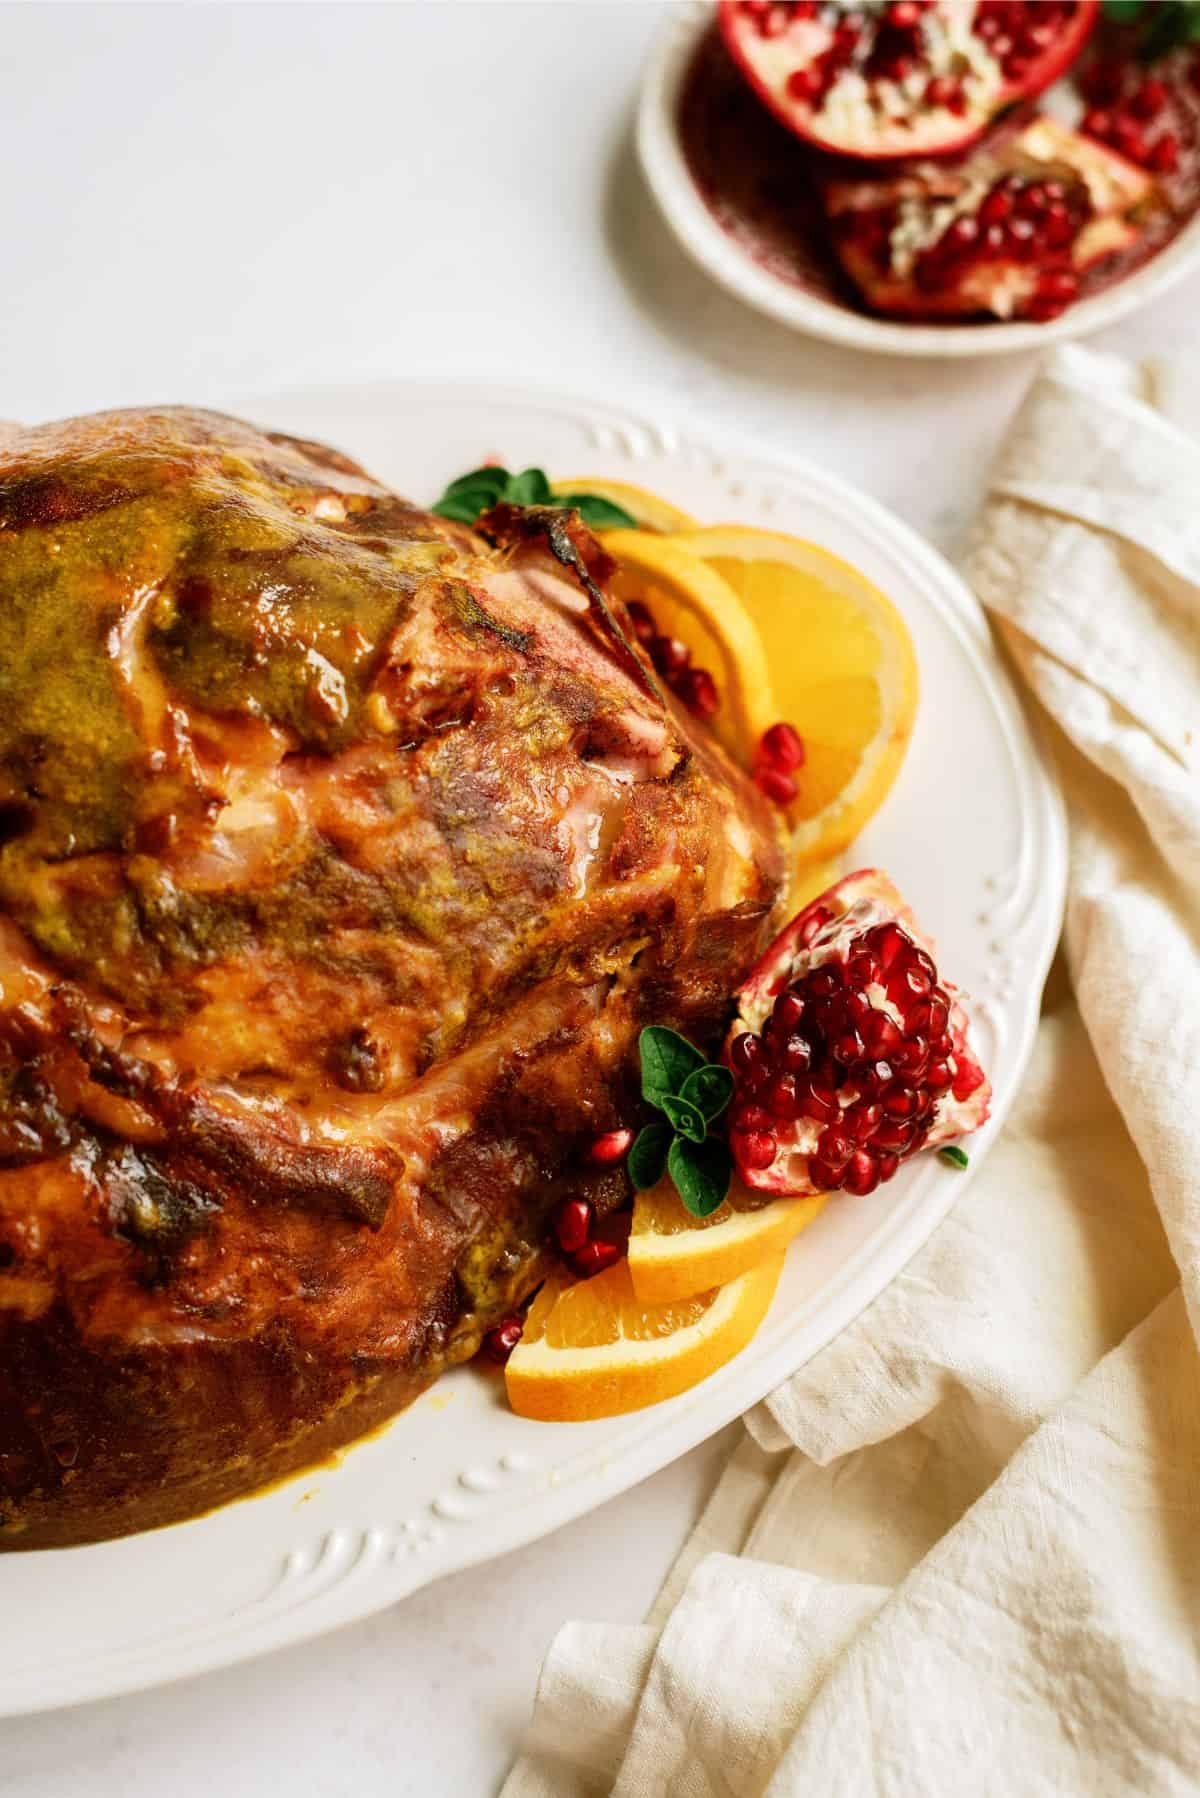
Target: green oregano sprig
[(477, 492), (691, 1093)]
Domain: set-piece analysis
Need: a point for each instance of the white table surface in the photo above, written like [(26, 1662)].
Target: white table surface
[(208, 200)]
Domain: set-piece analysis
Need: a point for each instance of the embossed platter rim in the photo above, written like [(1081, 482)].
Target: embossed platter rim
[(457, 1479)]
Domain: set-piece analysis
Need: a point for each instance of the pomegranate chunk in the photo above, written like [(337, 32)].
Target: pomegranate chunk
[(888, 1067), (1008, 232), (911, 78)]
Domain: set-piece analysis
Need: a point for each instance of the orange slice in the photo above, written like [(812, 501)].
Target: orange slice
[(842, 668), (651, 512), (592, 1348), (674, 1256), (690, 600)]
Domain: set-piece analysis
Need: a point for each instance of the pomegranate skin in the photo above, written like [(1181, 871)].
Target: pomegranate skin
[(892, 1067)]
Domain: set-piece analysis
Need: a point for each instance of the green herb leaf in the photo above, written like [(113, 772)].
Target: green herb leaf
[(701, 1172), (600, 513), (648, 1156), (1122, 12), (529, 488), (667, 1060), (471, 494), (954, 1157), (709, 1089), (683, 1117)]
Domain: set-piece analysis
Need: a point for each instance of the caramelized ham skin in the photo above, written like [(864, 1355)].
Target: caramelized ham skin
[(343, 853)]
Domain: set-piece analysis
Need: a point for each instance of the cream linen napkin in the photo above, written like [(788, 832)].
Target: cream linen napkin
[(959, 1552)]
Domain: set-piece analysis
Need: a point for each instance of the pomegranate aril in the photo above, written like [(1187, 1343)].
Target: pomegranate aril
[(911, 1057), (748, 1059), (968, 1079), (795, 1056), (862, 1119), (996, 207), (787, 1012), (863, 970), (594, 1257), (757, 1149), (824, 984), (782, 1099), (500, 1341), (783, 747), (834, 1147), (805, 84), (848, 1047), (606, 1150), (670, 655), (1097, 123), (640, 616), (874, 1079), (887, 940), (1058, 227), (818, 1103), (1149, 99), (862, 1174), (938, 1076), (823, 1177), (698, 691), (894, 1135), (1164, 154), (777, 785), (899, 1101), (750, 1117), (943, 90), (886, 1164), (880, 1036), (939, 1013), (573, 1224)]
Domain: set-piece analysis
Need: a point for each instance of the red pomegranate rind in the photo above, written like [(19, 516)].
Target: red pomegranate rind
[(849, 1051), (908, 78), (1008, 232)]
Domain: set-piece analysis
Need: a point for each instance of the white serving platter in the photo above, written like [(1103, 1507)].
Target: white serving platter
[(973, 833)]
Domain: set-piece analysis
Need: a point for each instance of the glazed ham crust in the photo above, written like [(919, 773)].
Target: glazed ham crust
[(343, 853)]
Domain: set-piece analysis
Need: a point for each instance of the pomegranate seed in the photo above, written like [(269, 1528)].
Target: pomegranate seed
[(751, 1117), (748, 1059), (894, 1135), (880, 1036), (938, 1076), (613, 1146), (939, 1013), (1129, 137), (757, 1149), (1058, 227), (787, 1012), (777, 785), (795, 1057), (774, 22), (863, 970), (804, 9), (825, 983), (573, 1225), (1164, 156), (1102, 83), (782, 1099), (698, 691), (874, 1079), (903, 15), (887, 940), (942, 90), (1021, 239), (968, 1079), (1149, 99), (642, 621), (848, 1048), (960, 234), (818, 1102), (783, 747), (1097, 123), (855, 1008), (670, 655), (805, 84), (911, 1057), (500, 1341), (899, 1101), (941, 1046), (862, 1119), (594, 1257), (997, 207), (834, 1148), (886, 1163), (823, 1177), (862, 1174)]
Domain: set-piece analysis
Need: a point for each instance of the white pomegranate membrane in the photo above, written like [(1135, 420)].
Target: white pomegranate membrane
[(849, 1052)]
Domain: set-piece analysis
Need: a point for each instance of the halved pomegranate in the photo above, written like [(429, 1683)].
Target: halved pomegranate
[(1009, 231), (902, 78), (849, 1051)]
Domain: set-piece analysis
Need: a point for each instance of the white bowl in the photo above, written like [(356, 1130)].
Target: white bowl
[(671, 183)]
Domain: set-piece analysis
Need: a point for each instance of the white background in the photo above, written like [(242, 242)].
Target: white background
[(199, 201)]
